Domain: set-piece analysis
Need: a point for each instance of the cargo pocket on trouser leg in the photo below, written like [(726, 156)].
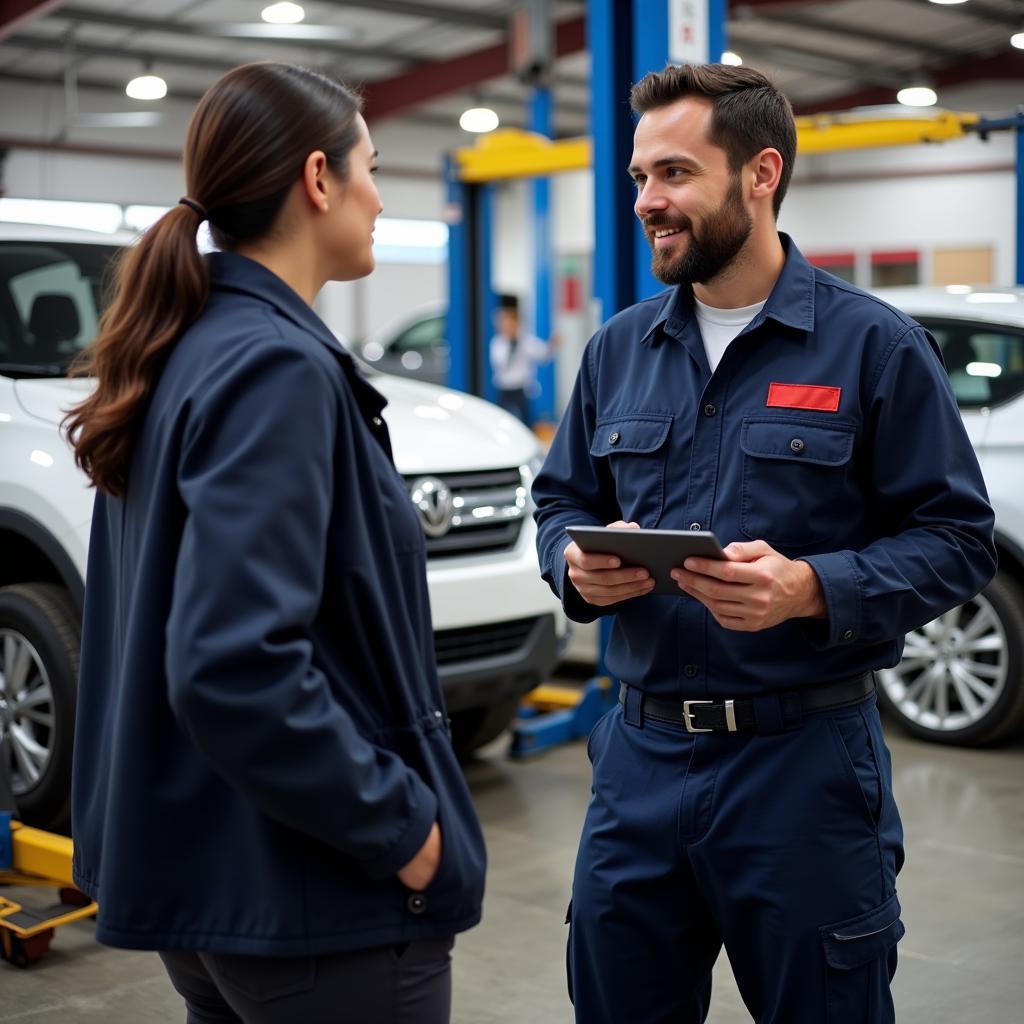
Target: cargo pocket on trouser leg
[(860, 957)]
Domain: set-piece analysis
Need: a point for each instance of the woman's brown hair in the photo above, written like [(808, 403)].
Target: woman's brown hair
[(246, 146)]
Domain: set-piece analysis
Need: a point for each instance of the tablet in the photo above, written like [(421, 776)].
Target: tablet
[(657, 551)]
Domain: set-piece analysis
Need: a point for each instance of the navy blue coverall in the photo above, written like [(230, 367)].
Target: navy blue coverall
[(830, 431), (261, 742)]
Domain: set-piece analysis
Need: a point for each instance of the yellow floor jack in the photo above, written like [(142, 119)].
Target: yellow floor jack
[(31, 857)]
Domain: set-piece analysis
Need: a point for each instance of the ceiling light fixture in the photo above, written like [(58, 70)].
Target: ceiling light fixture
[(283, 14), (479, 120), (732, 58), (948, 3), (1017, 39), (146, 87), (917, 96)]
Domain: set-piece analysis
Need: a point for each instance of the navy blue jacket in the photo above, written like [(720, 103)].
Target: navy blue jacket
[(828, 429), (261, 741)]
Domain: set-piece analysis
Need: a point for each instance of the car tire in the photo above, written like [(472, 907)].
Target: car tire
[(961, 679), (476, 727), (40, 636)]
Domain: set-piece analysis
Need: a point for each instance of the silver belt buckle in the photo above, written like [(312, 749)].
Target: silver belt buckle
[(730, 715), (688, 715)]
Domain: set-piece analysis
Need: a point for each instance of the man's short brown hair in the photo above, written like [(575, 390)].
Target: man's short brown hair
[(748, 112)]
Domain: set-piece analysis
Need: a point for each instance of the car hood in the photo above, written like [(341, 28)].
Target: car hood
[(433, 429), (436, 430)]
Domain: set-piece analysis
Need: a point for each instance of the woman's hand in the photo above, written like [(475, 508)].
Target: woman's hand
[(420, 871)]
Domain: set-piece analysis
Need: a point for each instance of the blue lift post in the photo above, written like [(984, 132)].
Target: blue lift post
[(543, 404), (626, 38)]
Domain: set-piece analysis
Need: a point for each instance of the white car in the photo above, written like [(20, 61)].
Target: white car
[(468, 464)]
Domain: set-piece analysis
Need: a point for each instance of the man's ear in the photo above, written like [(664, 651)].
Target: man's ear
[(314, 179), (765, 172)]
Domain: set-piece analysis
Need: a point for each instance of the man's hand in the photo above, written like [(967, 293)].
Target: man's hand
[(420, 871), (601, 580), (754, 589)]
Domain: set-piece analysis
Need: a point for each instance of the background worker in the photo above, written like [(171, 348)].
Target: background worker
[(515, 354), (742, 789)]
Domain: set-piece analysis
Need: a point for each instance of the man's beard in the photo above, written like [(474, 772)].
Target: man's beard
[(723, 234)]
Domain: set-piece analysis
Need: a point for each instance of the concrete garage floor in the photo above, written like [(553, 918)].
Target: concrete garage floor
[(962, 892)]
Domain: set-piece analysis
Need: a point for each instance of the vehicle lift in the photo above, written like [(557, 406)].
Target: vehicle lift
[(31, 857)]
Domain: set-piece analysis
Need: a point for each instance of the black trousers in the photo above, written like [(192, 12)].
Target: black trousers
[(408, 983)]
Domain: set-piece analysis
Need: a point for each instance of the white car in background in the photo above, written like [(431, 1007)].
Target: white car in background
[(468, 465)]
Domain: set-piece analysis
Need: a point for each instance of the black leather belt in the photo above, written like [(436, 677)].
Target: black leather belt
[(741, 714)]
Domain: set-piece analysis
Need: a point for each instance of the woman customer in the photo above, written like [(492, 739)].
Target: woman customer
[(264, 787)]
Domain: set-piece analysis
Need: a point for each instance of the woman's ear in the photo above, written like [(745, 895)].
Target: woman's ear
[(314, 179)]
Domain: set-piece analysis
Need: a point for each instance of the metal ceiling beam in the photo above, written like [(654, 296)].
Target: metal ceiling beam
[(805, 58), (1002, 66), (427, 81), (57, 44), (435, 12), (197, 29), (912, 44), (15, 13)]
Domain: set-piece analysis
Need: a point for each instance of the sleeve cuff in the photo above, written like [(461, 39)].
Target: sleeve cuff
[(575, 607), (838, 577), (424, 814)]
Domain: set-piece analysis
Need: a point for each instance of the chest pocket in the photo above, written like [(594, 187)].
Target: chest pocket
[(636, 449), (794, 474)]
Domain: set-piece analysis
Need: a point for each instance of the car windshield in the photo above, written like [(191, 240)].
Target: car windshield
[(51, 296)]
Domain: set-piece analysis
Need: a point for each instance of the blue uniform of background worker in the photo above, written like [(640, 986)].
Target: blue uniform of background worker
[(813, 429)]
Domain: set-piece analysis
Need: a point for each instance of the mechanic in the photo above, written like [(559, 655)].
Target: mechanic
[(742, 787)]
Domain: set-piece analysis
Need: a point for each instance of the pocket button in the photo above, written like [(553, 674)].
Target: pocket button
[(613, 437), (417, 903), (797, 445)]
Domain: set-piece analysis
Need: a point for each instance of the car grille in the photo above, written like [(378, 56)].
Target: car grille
[(488, 641), (488, 508)]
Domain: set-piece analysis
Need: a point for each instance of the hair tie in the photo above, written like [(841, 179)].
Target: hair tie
[(193, 205)]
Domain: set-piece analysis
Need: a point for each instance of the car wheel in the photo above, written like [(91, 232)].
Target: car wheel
[(960, 680), (476, 727), (39, 642)]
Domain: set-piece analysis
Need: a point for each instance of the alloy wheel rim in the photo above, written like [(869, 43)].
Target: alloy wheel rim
[(953, 671), (26, 711)]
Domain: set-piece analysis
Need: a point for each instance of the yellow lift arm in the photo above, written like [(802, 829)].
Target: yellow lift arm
[(510, 153)]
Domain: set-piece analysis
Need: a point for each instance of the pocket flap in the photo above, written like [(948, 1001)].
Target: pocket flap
[(637, 433), (797, 442), (864, 938)]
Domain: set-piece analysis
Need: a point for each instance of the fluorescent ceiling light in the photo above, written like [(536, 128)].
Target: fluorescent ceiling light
[(104, 217), (917, 96), (147, 87), (257, 30), (984, 369), (124, 119), (731, 57), (948, 3), (1017, 39), (959, 289), (992, 297), (139, 218), (283, 14), (417, 234), (479, 120)]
